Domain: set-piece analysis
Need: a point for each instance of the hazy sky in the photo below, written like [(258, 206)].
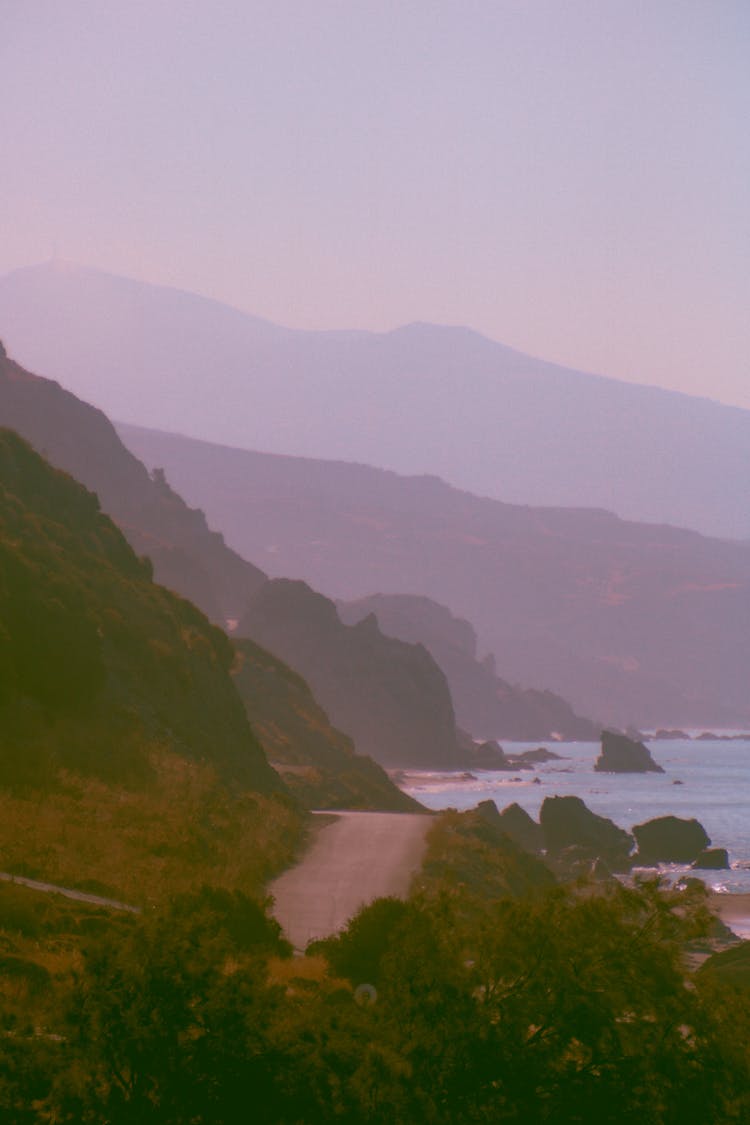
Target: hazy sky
[(571, 177)]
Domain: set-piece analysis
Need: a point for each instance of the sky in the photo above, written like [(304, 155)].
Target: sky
[(570, 177)]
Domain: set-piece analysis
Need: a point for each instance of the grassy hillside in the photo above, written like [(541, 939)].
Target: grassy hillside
[(126, 757)]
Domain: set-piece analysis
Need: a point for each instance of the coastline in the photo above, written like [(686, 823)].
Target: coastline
[(734, 911)]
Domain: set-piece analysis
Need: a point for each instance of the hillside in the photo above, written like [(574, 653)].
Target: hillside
[(127, 765), (629, 622), (317, 762), (486, 705), (390, 697), (74, 436), (420, 399), (90, 644)]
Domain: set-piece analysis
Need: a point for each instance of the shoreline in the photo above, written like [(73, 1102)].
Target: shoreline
[(734, 911)]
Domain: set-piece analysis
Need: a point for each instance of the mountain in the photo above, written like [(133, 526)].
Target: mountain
[(631, 623), (390, 697), (76, 437), (317, 762), (420, 399), (320, 762), (100, 666), (486, 705)]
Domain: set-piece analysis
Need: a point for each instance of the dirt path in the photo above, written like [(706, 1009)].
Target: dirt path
[(357, 858), (68, 892)]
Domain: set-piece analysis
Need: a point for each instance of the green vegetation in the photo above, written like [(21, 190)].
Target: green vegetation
[(468, 852), (127, 764), (572, 1006), (141, 845), (127, 767), (96, 661)]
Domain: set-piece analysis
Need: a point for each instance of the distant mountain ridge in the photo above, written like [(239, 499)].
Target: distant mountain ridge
[(485, 704), (389, 696), (631, 623), (420, 399), (197, 563)]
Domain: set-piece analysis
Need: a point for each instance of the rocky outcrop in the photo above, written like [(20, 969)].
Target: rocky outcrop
[(621, 754), (390, 697), (485, 704), (567, 823), (487, 755), (317, 762), (670, 839), (712, 859), (533, 757), (521, 828)]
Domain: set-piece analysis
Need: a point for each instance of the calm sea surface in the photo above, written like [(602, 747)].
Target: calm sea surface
[(715, 789)]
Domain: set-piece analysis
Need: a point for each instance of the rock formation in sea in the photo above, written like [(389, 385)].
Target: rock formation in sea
[(670, 839), (568, 823), (621, 754), (712, 859)]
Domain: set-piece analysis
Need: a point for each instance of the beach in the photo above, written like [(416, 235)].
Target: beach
[(734, 911)]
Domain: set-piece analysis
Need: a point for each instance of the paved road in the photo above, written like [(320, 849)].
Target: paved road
[(359, 857), (68, 892)]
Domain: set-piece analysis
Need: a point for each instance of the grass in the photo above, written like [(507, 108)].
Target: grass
[(143, 845)]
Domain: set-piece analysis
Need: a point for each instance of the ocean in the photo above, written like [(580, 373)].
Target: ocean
[(714, 788)]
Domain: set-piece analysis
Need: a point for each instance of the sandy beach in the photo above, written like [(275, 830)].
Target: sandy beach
[(734, 910)]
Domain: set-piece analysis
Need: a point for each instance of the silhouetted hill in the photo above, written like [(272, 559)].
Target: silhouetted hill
[(316, 761), (389, 696), (485, 705), (100, 666), (632, 623), (195, 561), (420, 399), (74, 436)]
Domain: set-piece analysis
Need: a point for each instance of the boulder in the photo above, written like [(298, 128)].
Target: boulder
[(670, 839), (488, 756), (567, 822), (621, 754), (524, 831), (540, 755), (712, 859)]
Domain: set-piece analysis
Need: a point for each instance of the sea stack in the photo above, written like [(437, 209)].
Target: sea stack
[(621, 754)]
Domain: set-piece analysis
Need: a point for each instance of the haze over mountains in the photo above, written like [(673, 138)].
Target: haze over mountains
[(420, 399), (361, 673), (629, 622)]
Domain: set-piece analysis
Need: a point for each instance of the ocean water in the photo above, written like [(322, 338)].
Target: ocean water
[(715, 789)]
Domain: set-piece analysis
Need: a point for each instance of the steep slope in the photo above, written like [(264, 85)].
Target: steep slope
[(98, 663), (74, 436), (196, 562), (485, 705), (418, 399), (632, 623), (316, 761), (389, 696)]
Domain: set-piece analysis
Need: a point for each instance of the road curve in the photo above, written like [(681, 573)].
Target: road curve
[(359, 857)]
